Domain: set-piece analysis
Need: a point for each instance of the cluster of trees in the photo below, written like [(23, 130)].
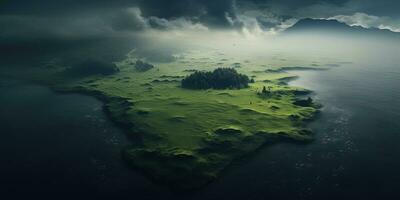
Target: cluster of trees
[(143, 66), (220, 78), (265, 92)]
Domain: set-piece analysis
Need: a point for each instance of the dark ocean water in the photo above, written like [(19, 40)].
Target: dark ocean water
[(60, 146), (64, 146)]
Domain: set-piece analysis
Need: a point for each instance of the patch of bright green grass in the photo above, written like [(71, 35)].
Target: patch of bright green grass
[(187, 137)]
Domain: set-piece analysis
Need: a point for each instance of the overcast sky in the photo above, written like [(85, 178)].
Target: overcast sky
[(92, 16)]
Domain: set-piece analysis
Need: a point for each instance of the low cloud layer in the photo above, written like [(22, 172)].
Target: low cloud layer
[(369, 21)]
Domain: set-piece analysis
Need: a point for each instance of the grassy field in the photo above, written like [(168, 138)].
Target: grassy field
[(185, 138)]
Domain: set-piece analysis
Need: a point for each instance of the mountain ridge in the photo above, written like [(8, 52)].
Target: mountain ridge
[(333, 25)]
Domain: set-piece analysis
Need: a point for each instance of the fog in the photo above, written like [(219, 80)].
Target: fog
[(307, 43), (265, 47)]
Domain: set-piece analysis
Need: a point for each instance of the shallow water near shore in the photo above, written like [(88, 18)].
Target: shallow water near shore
[(57, 143), (355, 152)]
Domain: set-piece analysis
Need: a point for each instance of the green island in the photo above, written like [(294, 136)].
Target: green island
[(186, 133)]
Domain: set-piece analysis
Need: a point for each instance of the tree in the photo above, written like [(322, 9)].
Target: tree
[(143, 66), (264, 90)]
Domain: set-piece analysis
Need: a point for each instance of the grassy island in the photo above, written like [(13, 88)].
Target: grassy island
[(184, 137)]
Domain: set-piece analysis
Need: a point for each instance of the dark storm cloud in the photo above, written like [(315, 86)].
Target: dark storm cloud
[(383, 7), (129, 19), (59, 7), (211, 13)]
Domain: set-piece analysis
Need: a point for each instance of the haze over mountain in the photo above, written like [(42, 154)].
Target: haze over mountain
[(332, 26)]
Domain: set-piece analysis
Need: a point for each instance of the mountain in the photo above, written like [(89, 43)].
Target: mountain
[(322, 24), (335, 27)]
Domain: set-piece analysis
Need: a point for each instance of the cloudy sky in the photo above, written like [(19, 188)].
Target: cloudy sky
[(135, 15), (27, 24)]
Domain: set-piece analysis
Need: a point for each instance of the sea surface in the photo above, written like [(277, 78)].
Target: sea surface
[(63, 145)]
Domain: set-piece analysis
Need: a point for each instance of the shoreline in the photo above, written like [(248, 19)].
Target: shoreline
[(116, 108), (106, 100)]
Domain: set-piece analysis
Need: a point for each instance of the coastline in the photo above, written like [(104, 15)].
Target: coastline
[(117, 109)]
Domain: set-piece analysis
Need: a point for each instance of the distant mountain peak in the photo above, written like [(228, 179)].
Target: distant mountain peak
[(309, 23), (335, 26)]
